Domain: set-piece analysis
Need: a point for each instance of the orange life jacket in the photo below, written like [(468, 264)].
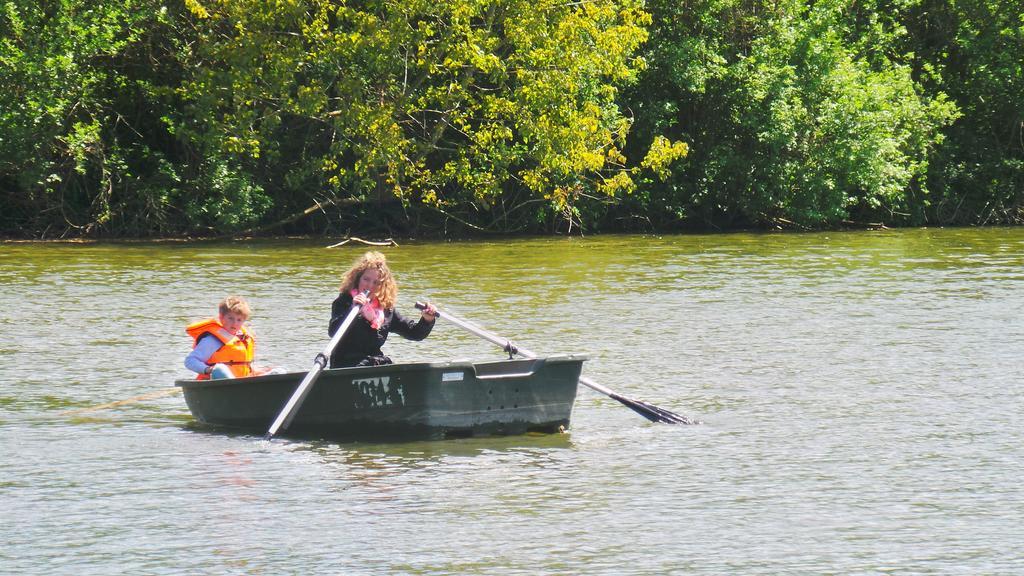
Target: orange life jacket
[(237, 351)]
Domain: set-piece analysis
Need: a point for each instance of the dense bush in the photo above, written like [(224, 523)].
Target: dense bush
[(972, 50), (797, 114)]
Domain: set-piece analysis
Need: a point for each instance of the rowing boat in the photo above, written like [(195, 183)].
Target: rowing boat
[(400, 401)]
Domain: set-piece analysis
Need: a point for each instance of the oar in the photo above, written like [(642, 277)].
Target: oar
[(284, 419), (116, 403), (649, 411)]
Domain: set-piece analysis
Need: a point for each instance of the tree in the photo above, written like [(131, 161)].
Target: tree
[(971, 50), (82, 149), (501, 115), (798, 114)]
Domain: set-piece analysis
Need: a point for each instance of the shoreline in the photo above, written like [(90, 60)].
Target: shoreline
[(338, 241)]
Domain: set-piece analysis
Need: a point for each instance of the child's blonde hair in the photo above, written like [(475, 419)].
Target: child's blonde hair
[(235, 304), (387, 292)]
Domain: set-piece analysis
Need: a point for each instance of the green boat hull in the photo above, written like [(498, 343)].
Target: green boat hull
[(400, 401)]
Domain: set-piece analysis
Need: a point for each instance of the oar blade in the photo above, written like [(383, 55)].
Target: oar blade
[(649, 411), (652, 412)]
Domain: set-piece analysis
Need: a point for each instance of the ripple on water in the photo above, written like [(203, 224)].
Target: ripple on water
[(859, 392)]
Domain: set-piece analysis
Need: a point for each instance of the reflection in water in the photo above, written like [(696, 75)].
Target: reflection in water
[(433, 450), (859, 392), (238, 466), (379, 469)]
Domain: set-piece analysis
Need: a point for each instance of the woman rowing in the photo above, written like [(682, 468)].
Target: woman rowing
[(370, 284)]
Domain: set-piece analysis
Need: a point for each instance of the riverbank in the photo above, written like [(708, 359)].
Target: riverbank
[(387, 240)]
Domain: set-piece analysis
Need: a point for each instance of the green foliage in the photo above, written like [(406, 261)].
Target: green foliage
[(478, 110), (797, 114), (85, 147), (57, 105), (140, 117), (229, 200), (972, 50)]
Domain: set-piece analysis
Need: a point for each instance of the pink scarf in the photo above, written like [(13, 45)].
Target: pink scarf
[(372, 309)]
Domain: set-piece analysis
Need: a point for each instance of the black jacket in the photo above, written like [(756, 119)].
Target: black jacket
[(361, 343)]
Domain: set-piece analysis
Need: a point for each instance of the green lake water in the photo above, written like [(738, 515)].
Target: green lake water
[(861, 399)]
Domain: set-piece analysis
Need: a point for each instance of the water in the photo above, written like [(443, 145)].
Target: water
[(860, 393)]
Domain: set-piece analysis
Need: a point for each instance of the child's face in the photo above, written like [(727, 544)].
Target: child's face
[(232, 321), (370, 280)]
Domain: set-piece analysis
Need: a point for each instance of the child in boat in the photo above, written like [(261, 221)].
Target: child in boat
[(222, 346), (361, 344)]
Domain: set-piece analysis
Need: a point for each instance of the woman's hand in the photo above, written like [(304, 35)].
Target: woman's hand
[(429, 312), (368, 312)]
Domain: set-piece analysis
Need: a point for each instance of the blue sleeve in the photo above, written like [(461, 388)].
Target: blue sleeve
[(196, 360)]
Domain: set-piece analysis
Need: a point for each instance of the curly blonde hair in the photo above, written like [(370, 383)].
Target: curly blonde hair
[(387, 291)]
